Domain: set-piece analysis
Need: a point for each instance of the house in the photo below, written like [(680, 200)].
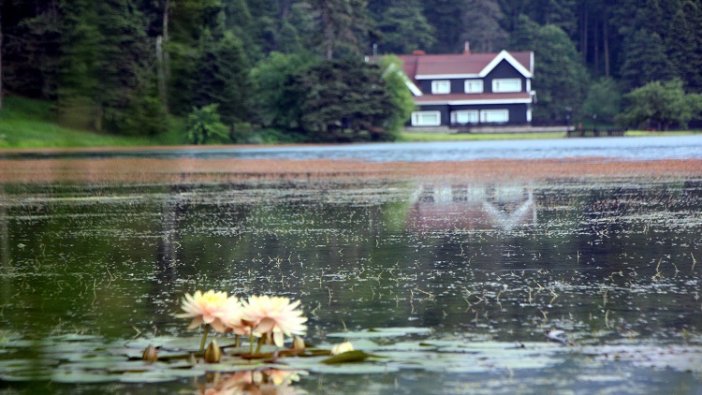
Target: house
[(470, 89)]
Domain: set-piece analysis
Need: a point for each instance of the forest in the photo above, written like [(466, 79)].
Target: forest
[(294, 70)]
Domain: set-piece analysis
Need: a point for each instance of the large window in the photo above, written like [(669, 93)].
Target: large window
[(502, 85), (426, 118), (463, 117), (473, 86), (441, 87), (494, 116)]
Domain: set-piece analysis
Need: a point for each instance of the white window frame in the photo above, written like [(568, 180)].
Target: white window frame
[(528, 115), (487, 116), (473, 86), (473, 116), (418, 118), (441, 87), (506, 85)]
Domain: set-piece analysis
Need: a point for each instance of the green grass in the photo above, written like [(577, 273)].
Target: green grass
[(27, 123), (640, 133), (428, 136)]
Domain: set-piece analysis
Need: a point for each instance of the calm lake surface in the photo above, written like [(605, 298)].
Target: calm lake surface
[(615, 263)]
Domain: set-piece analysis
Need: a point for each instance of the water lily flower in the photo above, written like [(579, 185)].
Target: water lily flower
[(207, 308), (232, 318), (341, 348), (274, 316)]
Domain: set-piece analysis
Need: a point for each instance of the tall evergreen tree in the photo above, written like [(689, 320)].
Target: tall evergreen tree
[(560, 78), (645, 60), (446, 17), (481, 21), (685, 45), (222, 77), (79, 78), (31, 46), (403, 28), (1, 49), (343, 26)]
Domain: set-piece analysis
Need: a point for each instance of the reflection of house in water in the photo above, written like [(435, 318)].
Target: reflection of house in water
[(501, 207)]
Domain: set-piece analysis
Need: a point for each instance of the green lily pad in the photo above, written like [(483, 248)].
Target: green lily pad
[(360, 368), (347, 357), (76, 376), (382, 332)]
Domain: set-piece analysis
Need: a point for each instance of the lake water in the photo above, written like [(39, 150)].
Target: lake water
[(475, 272)]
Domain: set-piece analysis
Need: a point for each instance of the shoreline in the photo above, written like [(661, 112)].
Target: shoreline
[(194, 170)]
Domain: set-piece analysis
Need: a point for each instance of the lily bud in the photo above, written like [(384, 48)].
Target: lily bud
[(298, 343), (213, 353), (150, 354), (341, 348)]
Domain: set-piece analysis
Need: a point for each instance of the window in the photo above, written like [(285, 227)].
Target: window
[(494, 116), (506, 85), (441, 87), (473, 86), (463, 117), (426, 118)]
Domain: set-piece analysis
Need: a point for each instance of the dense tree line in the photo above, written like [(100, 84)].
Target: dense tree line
[(296, 66)]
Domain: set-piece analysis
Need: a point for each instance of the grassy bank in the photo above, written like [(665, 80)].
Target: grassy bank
[(26, 123), (433, 136)]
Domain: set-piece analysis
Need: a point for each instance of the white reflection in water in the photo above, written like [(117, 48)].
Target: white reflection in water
[(471, 206)]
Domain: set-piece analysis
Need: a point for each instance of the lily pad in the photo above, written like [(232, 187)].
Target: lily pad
[(382, 332), (347, 357)]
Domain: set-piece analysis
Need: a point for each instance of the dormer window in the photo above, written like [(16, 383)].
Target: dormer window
[(473, 86), (441, 87), (504, 85)]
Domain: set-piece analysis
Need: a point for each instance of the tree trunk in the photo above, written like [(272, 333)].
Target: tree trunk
[(584, 35), (166, 23), (1, 91), (596, 49), (605, 42), (162, 56), (328, 27)]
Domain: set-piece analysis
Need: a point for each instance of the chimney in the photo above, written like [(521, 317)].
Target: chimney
[(466, 48)]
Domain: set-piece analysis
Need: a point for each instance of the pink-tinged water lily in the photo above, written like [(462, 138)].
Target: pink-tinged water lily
[(208, 308), (232, 319), (275, 316)]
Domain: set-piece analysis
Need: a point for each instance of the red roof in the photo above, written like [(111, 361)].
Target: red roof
[(466, 63)]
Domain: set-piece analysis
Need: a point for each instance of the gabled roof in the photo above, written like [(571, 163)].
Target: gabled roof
[(465, 65)]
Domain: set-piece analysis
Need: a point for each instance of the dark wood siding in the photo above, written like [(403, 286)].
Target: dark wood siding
[(503, 70), (517, 112)]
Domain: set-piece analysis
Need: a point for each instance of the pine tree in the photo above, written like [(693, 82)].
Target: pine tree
[(684, 45), (645, 60), (222, 77), (446, 17), (481, 21), (126, 62), (403, 28), (79, 80), (343, 26)]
